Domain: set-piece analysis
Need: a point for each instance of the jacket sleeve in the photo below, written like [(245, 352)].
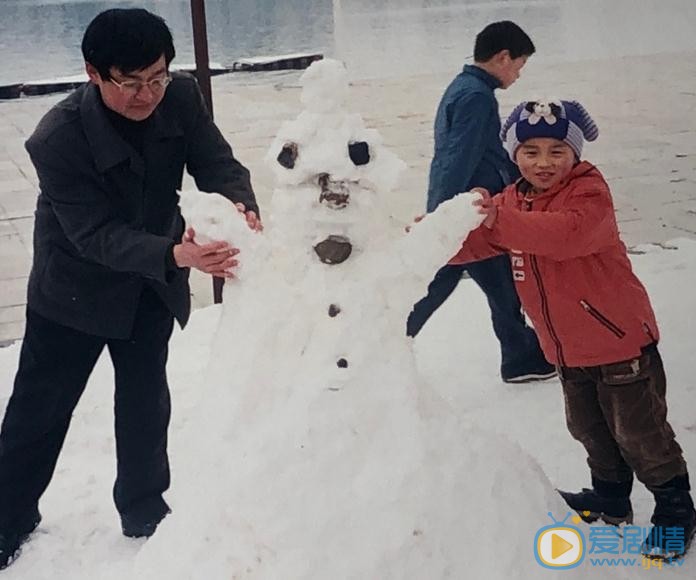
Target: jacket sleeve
[(469, 121), (212, 164), (479, 244), (89, 221), (476, 247), (586, 226)]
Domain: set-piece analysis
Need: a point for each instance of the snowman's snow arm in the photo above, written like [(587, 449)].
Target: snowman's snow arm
[(432, 242), (215, 218)]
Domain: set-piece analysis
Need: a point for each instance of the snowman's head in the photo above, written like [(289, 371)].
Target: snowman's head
[(331, 171)]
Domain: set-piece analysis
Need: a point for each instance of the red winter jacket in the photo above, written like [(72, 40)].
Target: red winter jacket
[(571, 270)]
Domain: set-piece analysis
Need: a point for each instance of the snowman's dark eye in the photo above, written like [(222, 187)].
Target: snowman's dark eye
[(359, 152), (288, 155)]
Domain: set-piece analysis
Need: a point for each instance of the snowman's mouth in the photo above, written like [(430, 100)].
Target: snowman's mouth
[(334, 194), (334, 249)]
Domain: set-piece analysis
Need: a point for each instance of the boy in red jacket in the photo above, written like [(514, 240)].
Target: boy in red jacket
[(593, 318)]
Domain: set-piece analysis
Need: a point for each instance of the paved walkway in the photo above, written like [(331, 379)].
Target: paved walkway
[(645, 108)]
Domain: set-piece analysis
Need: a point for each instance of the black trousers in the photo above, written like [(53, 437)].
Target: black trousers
[(518, 342), (55, 364)]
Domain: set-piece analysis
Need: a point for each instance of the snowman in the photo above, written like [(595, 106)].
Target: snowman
[(324, 454)]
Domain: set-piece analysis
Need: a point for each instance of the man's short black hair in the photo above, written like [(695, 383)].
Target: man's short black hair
[(499, 36), (129, 39)]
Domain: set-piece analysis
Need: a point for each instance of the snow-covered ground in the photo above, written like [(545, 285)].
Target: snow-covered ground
[(457, 353)]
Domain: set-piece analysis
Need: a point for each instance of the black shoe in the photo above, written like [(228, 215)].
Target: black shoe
[(134, 527), (11, 540), (526, 373), (607, 501), (9, 548), (674, 521)]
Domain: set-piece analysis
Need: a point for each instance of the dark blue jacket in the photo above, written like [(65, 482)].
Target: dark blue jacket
[(468, 150)]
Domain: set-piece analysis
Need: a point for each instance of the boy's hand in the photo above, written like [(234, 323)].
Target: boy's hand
[(252, 219), (486, 207), (482, 190), (216, 258)]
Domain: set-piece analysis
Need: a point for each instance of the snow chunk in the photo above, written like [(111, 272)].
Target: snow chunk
[(216, 218)]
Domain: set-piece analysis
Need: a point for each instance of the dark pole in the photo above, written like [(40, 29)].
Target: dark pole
[(200, 47)]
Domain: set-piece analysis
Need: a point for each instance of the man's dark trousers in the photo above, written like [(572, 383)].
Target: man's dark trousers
[(55, 364), (518, 342)]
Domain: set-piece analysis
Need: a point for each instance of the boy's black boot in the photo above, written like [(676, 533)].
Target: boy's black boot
[(607, 500), (674, 520), (12, 537)]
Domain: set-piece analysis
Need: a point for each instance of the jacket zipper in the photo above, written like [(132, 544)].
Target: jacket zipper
[(544, 302), (545, 311), (597, 315)]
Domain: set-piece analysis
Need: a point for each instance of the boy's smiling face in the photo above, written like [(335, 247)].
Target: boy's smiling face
[(544, 162)]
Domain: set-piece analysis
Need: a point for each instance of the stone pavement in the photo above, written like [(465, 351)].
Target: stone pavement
[(645, 108)]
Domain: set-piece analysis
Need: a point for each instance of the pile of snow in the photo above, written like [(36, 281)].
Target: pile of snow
[(80, 537)]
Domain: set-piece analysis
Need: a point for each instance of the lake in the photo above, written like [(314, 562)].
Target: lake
[(41, 38)]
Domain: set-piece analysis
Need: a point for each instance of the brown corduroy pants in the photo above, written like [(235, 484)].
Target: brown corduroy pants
[(618, 412)]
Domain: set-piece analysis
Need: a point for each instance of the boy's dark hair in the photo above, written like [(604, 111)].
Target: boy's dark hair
[(129, 39), (499, 36)]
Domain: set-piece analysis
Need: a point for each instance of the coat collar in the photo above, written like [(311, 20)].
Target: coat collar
[(485, 76), (108, 148)]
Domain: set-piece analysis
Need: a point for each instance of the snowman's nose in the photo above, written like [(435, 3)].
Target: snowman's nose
[(334, 193)]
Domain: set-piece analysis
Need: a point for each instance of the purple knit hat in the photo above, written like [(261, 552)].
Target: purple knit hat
[(566, 121)]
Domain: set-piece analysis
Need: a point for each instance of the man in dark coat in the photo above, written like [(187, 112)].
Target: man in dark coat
[(111, 264), (468, 154)]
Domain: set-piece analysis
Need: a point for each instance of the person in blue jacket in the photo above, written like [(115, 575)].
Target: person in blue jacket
[(468, 154)]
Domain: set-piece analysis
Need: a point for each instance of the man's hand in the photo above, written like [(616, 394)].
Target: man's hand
[(216, 258), (252, 219), (416, 219), (486, 207)]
